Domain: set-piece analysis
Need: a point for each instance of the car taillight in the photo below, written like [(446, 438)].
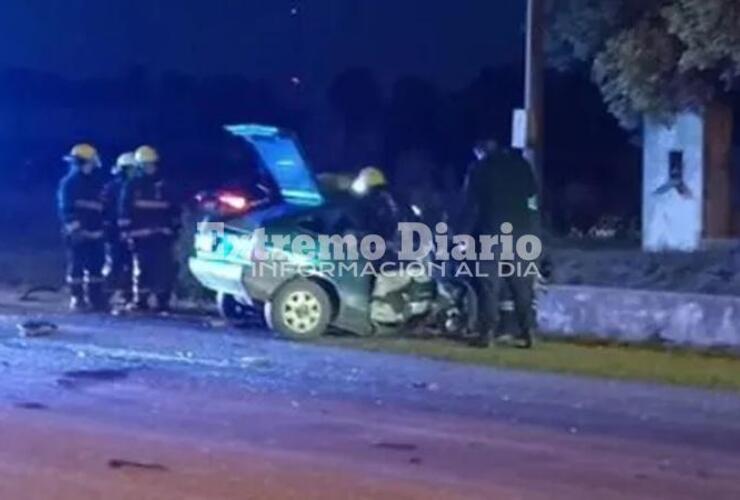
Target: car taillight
[(233, 202), (223, 203), (228, 203)]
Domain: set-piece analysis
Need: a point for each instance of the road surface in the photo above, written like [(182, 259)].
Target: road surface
[(136, 408)]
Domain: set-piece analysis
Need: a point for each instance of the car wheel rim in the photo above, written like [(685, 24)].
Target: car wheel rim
[(301, 312)]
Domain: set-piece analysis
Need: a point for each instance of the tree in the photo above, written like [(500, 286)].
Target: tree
[(710, 33), (658, 58), (579, 29), (654, 57)]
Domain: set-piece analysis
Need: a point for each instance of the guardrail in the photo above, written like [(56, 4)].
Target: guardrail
[(640, 316)]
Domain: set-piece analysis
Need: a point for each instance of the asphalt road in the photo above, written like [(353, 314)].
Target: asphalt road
[(135, 408)]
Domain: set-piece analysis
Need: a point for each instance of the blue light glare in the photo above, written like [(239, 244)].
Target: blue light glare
[(253, 130)]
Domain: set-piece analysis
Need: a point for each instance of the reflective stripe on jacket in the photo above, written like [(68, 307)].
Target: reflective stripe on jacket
[(148, 207), (89, 205), (149, 232), (152, 204)]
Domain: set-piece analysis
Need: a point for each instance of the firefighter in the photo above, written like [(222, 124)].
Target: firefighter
[(80, 199), (500, 194), (378, 211), (150, 216), (120, 264)]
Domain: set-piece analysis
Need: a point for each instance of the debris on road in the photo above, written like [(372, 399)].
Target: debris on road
[(215, 323), (37, 329), (116, 463), (31, 406), (76, 378), (396, 446), (255, 362), (104, 375), (426, 385), (29, 295)]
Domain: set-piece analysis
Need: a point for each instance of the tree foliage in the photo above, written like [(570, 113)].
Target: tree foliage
[(652, 57), (709, 31), (579, 29)]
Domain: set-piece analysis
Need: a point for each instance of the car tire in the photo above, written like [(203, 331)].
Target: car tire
[(236, 313), (300, 310)]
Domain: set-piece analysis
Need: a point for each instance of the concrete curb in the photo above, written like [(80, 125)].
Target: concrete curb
[(638, 316)]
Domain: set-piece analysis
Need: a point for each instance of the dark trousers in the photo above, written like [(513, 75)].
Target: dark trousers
[(155, 269), (490, 288), (85, 261), (120, 276)]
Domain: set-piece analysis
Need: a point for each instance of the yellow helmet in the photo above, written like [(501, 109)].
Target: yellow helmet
[(84, 153), (369, 178), (146, 154)]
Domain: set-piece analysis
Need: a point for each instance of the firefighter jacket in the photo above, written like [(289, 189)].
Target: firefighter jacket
[(148, 208), (80, 205)]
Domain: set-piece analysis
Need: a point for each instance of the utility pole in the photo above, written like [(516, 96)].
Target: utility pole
[(534, 94)]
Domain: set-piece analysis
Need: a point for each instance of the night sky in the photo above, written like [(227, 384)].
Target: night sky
[(442, 40)]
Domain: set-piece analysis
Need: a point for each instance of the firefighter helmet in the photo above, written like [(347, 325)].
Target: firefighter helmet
[(124, 162), (84, 153), (369, 178), (146, 154)]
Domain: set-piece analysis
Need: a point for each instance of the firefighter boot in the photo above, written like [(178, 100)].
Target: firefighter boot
[(77, 304)]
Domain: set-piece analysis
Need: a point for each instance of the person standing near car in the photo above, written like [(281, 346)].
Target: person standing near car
[(500, 195), (378, 211), (150, 215), (120, 265), (80, 204)]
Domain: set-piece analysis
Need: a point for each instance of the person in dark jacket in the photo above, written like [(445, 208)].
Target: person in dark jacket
[(500, 191), (377, 210), (120, 265), (80, 204), (150, 216)]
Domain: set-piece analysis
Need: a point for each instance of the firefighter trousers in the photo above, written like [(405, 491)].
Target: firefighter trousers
[(120, 277), (490, 287), (155, 269), (85, 261)]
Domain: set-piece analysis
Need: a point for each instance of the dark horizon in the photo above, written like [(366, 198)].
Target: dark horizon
[(79, 39)]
